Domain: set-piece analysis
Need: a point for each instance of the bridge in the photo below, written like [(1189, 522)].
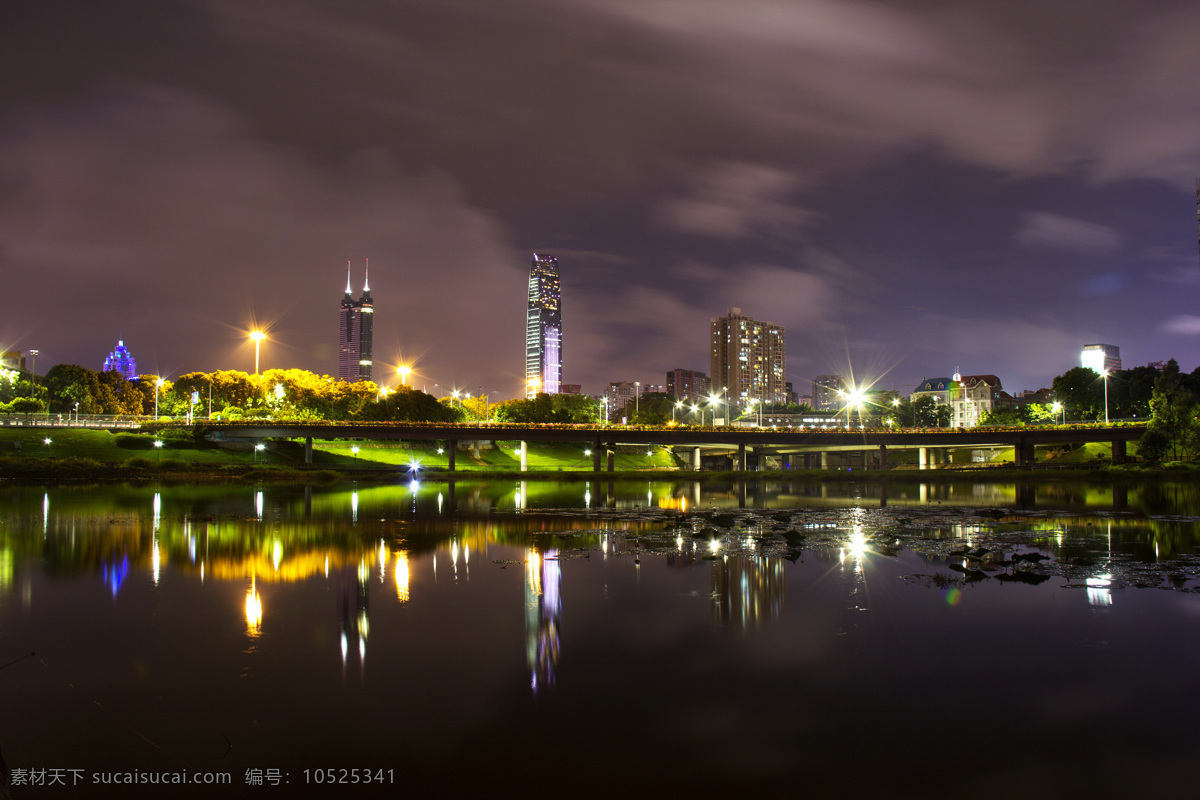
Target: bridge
[(811, 446)]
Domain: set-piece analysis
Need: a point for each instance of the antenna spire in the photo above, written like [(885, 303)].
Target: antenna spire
[(347, 277), (367, 277)]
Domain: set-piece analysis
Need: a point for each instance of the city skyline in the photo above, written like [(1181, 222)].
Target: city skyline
[(907, 189)]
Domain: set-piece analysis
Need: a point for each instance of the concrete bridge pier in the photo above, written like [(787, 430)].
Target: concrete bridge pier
[(597, 452), (1118, 452), (741, 457), (741, 494), (922, 458), (696, 458), (307, 449), (824, 459), (883, 456), (524, 457), (1023, 453), (451, 448), (611, 447)]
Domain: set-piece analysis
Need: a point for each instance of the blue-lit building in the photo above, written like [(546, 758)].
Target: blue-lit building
[(543, 329), (121, 360), (354, 332)]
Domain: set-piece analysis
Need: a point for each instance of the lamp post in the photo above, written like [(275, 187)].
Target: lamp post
[(695, 408), (158, 447), (673, 408), (403, 373), (637, 398), (33, 373), (158, 384), (1104, 372), (1056, 407), (257, 448), (257, 336)]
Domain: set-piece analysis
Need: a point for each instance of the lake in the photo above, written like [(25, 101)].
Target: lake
[(584, 639)]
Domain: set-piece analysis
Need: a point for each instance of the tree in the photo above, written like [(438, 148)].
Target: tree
[(1081, 391), (1174, 422), (928, 413), (25, 405), (68, 384)]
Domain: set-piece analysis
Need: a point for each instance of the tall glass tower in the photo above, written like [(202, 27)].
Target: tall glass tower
[(543, 329), (354, 332)]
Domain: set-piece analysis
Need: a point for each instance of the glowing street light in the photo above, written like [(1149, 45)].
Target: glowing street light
[(456, 395), (158, 384), (1104, 372), (258, 448), (403, 372), (673, 408), (1055, 408), (257, 336), (158, 446)]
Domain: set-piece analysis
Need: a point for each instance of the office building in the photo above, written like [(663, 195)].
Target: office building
[(543, 329), (354, 331), (1101, 357), (747, 359), (120, 360)]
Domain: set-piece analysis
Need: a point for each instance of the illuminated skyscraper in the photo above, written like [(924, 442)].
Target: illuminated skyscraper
[(121, 360), (747, 359), (354, 332), (543, 329), (1100, 357)]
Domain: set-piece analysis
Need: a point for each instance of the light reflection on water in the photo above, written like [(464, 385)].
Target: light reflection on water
[(299, 592)]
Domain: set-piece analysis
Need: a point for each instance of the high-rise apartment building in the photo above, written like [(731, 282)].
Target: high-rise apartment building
[(689, 385), (354, 332), (1101, 357), (121, 360), (747, 359), (543, 329), (825, 391)]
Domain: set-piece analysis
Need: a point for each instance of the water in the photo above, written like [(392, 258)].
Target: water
[(579, 639)]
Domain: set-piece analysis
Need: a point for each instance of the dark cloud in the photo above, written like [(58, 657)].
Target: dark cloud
[(910, 186)]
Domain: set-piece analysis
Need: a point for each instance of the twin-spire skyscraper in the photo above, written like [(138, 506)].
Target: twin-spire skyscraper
[(354, 331)]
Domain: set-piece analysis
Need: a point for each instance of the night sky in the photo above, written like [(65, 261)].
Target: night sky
[(907, 187)]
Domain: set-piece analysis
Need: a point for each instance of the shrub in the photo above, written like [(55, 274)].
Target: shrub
[(140, 462)]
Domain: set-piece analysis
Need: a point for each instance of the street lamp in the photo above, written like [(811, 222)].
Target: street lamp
[(696, 408), (1056, 407), (403, 373), (158, 446), (257, 449), (637, 398), (257, 336), (158, 384), (673, 408), (1104, 372), (33, 373)]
